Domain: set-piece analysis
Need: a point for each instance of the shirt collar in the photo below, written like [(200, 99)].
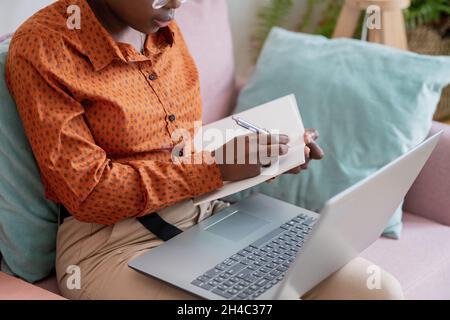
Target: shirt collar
[(103, 49)]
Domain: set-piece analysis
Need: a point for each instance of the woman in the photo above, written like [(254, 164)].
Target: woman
[(101, 103)]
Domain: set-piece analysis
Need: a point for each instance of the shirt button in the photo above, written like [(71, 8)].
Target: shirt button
[(153, 77), (172, 118)]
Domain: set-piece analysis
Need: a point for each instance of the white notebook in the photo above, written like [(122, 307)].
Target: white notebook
[(279, 116)]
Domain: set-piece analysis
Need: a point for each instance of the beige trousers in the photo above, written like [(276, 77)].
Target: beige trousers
[(92, 262)]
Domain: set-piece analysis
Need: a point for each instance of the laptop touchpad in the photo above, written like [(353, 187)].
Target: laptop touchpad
[(237, 226)]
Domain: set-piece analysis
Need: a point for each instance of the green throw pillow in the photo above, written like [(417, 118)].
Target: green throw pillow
[(28, 222), (371, 104)]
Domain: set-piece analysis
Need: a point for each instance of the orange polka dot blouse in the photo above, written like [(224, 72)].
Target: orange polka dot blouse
[(100, 116)]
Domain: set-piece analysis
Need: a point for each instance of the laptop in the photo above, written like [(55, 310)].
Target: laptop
[(263, 248)]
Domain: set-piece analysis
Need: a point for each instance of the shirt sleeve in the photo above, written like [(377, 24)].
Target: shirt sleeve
[(79, 173)]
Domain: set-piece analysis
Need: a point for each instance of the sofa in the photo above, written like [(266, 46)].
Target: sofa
[(420, 260)]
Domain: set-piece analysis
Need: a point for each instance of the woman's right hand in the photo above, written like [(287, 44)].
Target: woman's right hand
[(244, 156)]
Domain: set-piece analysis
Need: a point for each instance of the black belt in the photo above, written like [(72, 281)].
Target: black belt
[(63, 214), (159, 227), (153, 222)]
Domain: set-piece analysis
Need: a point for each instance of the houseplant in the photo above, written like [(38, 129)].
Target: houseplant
[(274, 13), (428, 23), (421, 12)]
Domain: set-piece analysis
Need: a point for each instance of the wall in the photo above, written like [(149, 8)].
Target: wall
[(13, 12), (243, 17)]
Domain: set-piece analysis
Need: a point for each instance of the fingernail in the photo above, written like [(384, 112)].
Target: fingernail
[(307, 151), (285, 137), (308, 139)]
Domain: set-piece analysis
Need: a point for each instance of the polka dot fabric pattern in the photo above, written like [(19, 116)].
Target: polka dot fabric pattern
[(100, 116)]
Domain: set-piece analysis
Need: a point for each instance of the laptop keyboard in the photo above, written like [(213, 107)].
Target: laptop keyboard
[(257, 268)]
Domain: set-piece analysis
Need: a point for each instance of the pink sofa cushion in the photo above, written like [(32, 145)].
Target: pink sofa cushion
[(5, 36), (15, 289), (50, 284), (430, 195), (420, 260), (206, 29)]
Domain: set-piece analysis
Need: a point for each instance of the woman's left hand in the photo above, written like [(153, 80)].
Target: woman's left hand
[(312, 150)]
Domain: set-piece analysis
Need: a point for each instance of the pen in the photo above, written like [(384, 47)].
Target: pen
[(249, 126)]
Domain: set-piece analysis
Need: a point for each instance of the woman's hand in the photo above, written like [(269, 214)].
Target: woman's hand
[(312, 150), (244, 156)]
